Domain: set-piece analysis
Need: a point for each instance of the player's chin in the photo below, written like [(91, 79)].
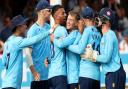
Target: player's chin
[(68, 26), (48, 18)]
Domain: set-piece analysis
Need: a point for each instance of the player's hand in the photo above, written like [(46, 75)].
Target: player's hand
[(53, 28), (46, 63), (36, 76), (95, 54), (88, 54), (52, 37), (81, 26)]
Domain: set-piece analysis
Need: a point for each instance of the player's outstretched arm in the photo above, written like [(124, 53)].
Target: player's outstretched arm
[(66, 41), (35, 39)]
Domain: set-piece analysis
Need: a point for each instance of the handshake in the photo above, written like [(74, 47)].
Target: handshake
[(89, 54)]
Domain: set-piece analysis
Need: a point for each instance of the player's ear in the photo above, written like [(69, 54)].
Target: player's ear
[(76, 24), (39, 12)]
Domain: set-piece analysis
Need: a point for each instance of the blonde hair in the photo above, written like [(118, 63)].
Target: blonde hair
[(75, 14)]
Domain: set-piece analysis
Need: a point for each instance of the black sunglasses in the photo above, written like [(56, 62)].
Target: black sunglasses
[(49, 10)]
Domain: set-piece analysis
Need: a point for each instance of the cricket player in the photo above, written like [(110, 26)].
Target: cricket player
[(72, 59), (109, 56), (41, 50), (12, 58), (89, 75), (57, 68)]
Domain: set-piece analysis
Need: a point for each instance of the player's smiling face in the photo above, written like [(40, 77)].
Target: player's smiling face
[(61, 15), (71, 22)]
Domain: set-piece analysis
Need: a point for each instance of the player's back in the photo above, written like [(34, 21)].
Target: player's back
[(12, 59), (109, 41), (88, 68)]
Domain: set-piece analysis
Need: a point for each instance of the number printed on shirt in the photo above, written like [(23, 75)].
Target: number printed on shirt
[(7, 62)]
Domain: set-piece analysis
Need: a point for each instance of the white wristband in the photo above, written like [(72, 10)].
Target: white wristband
[(28, 52), (51, 31)]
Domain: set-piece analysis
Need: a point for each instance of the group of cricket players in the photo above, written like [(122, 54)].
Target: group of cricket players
[(67, 55)]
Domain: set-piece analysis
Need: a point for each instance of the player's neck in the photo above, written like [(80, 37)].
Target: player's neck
[(89, 24), (57, 22), (40, 22), (105, 29), (16, 34), (70, 30)]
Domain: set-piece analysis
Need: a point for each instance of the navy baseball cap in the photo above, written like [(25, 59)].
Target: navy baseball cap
[(43, 4), (18, 20), (107, 13), (87, 12)]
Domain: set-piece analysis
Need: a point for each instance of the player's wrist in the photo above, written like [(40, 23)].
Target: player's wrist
[(95, 54), (51, 31)]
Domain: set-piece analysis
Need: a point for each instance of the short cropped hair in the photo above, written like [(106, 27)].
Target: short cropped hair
[(56, 8)]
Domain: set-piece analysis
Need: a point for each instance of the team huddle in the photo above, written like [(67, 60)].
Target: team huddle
[(64, 56)]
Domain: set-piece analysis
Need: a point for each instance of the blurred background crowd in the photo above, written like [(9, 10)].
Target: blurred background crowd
[(11, 8)]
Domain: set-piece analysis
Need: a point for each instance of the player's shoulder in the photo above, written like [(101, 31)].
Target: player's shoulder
[(75, 32), (13, 41), (60, 29), (88, 29), (17, 39), (14, 38), (79, 34), (94, 29), (111, 33), (46, 27), (33, 27), (32, 30), (97, 31)]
